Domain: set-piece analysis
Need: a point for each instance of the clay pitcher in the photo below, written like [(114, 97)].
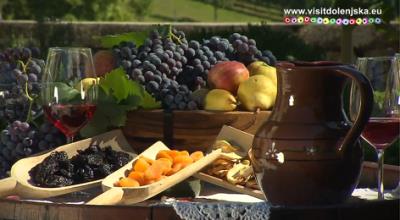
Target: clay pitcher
[(308, 152)]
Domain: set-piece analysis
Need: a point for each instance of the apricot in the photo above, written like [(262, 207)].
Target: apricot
[(127, 182), (165, 163), (173, 153), (141, 165), (197, 155), (148, 160), (154, 172), (183, 153), (175, 168), (138, 176), (164, 154), (183, 159)]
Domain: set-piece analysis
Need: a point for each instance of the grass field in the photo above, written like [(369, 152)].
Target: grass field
[(190, 10)]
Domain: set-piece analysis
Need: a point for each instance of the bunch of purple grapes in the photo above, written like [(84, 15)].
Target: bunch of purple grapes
[(246, 50), (20, 72), (157, 64), (21, 139), (15, 83)]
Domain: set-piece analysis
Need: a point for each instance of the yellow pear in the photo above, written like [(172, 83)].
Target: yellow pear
[(86, 83), (219, 100), (257, 92), (261, 68)]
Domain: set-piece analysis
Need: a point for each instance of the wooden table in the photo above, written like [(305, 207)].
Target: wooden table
[(152, 209), (377, 210)]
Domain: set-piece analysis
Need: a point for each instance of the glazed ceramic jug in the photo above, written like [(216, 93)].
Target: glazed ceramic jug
[(308, 152)]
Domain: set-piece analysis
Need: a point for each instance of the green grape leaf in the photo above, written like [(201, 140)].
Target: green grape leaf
[(109, 114), (65, 93), (116, 96), (131, 103), (149, 102), (108, 41), (117, 84), (97, 125), (379, 98)]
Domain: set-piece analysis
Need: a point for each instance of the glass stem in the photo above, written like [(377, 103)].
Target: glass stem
[(70, 139), (380, 174)]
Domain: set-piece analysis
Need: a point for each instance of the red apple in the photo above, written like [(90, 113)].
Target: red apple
[(104, 62), (227, 75)]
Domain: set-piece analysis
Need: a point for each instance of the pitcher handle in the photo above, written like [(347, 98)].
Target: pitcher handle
[(366, 105)]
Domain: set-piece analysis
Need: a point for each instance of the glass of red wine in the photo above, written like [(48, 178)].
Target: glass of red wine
[(69, 89), (383, 127)]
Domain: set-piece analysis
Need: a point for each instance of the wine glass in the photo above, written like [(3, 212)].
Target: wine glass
[(383, 126), (69, 89)]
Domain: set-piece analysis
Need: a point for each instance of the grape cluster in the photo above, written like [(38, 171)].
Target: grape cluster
[(171, 67), (178, 97), (157, 64), (21, 139), (247, 51), (20, 72)]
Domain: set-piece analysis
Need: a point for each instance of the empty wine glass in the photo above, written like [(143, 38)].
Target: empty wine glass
[(69, 91), (383, 126)]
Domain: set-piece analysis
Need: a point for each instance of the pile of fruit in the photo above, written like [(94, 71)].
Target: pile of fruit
[(164, 70), (20, 74), (190, 75), (168, 162), (231, 78), (91, 164)]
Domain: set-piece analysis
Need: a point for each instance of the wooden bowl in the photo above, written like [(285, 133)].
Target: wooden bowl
[(189, 130)]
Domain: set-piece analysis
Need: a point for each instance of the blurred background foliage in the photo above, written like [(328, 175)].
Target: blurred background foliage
[(56, 27), (175, 10)]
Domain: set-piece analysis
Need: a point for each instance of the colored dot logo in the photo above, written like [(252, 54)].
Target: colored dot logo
[(313, 20), (331, 21), (371, 20)]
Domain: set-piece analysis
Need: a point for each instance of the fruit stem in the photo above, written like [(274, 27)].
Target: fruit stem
[(172, 36), (24, 67)]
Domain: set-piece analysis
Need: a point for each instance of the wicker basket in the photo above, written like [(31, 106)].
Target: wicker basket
[(189, 130)]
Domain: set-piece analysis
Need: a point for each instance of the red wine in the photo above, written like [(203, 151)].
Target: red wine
[(69, 118), (381, 132)]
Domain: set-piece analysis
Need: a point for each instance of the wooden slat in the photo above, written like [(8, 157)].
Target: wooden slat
[(192, 130)]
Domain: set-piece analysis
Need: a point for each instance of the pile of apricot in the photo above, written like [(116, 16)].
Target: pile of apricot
[(146, 171)]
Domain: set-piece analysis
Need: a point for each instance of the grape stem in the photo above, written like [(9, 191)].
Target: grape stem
[(172, 36), (24, 67)]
